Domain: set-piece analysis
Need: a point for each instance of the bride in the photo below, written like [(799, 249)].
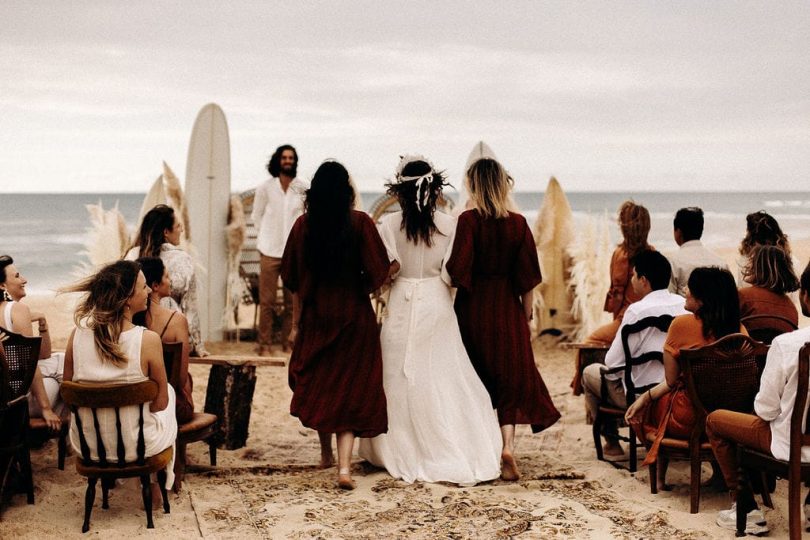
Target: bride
[(441, 425)]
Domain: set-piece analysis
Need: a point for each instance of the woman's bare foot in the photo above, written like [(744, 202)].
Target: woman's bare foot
[(345, 479), (327, 462), (509, 468)]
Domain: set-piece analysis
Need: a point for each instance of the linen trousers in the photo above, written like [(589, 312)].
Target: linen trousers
[(727, 429), (270, 270)]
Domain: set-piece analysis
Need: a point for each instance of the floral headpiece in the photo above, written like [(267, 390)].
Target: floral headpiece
[(421, 201)]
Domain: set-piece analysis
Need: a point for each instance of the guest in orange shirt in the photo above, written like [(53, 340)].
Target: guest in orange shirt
[(712, 298), (770, 273)]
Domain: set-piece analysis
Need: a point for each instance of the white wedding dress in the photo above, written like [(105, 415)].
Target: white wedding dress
[(441, 425)]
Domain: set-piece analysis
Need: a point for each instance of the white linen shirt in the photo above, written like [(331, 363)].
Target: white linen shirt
[(275, 212), (659, 302), (690, 255), (777, 390)]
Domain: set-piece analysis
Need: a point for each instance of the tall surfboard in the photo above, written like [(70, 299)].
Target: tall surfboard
[(208, 190), (481, 150)]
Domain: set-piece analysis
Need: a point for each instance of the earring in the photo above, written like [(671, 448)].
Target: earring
[(7, 297)]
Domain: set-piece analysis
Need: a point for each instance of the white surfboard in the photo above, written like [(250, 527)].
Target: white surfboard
[(155, 196), (208, 189)]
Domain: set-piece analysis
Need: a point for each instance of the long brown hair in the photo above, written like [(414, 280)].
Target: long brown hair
[(634, 221), (417, 220), (151, 234), (719, 310), (762, 229), (102, 308)]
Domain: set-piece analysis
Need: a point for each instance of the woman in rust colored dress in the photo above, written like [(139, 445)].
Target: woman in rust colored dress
[(494, 265), (770, 274), (333, 259)]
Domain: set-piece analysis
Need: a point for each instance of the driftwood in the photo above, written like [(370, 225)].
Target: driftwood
[(231, 383)]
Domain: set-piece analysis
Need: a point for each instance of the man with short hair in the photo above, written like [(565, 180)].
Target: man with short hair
[(687, 230), (279, 201), (767, 431), (651, 275)]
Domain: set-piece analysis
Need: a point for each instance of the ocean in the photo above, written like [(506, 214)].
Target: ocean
[(45, 233)]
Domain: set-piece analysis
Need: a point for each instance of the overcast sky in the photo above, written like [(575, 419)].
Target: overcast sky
[(604, 95)]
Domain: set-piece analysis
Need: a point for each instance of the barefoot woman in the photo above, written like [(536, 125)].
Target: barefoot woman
[(494, 265), (333, 259)]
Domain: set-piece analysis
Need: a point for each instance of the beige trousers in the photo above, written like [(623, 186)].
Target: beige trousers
[(270, 270)]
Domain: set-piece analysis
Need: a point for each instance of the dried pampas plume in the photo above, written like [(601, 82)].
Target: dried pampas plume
[(590, 278), (107, 239), (235, 233)]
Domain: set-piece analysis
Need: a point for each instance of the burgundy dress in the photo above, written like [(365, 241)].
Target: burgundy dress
[(494, 262), (336, 365)]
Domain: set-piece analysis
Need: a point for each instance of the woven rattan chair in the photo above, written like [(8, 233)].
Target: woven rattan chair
[(793, 469), (201, 427), (21, 351), (765, 327), (96, 396), (605, 410), (721, 375)]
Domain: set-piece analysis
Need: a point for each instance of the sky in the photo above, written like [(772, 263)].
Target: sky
[(606, 96)]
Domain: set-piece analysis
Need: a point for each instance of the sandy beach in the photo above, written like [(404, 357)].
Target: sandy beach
[(273, 489)]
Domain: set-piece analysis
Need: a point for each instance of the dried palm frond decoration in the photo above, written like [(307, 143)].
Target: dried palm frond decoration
[(590, 275)]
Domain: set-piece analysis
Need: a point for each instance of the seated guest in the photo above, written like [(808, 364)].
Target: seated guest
[(171, 326), (761, 229), (712, 298), (770, 273), (105, 347), (767, 431), (687, 229), (17, 317), (651, 275)]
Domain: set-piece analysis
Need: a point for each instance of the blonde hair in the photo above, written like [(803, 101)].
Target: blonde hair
[(102, 308), (769, 267), (634, 221), (489, 186)]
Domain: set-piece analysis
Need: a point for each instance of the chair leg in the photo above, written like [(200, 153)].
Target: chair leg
[(106, 484), (694, 485), (766, 490), (653, 471), (62, 449), (146, 493), (597, 436), (212, 453), (27, 473), (161, 478), (633, 450), (794, 507), (745, 498), (89, 497)]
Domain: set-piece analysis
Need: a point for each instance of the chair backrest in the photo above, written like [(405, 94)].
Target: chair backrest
[(172, 358), (659, 323), (22, 355), (96, 396), (764, 327), (13, 423), (722, 374), (799, 433)]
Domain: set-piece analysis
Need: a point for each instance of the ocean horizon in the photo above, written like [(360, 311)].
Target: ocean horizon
[(45, 233)]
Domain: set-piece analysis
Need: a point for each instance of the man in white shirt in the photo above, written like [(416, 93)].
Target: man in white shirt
[(279, 201), (687, 229), (768, 431), (651, 275)]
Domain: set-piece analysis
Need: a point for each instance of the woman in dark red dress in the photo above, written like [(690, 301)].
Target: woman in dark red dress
[(333, 259), (494, 265)]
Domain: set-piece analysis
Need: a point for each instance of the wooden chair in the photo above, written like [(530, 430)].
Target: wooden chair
[(21, 357), (20, 350), (764, 327), (201, 427), (720, 375), (96, 396), (793, 469), (606, 410)]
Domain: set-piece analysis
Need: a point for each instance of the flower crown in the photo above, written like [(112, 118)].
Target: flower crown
[(421, 200)]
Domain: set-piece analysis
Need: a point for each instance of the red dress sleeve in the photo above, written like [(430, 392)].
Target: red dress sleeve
[(374, 256), (291, 260), (460, 264), (526, 272)]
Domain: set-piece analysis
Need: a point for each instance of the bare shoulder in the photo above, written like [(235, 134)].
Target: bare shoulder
[(150, 340)]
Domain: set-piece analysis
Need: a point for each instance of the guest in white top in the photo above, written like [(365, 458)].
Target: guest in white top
[(767, 431), (651, 275), (687, 229), (279, 201)]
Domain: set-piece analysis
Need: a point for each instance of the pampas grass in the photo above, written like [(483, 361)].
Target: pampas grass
[(235, 233), (590, 277), (107, 239)]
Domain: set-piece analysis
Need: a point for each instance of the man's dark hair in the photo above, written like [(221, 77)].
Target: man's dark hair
[(274, 165), (653, 266), (690, 222)]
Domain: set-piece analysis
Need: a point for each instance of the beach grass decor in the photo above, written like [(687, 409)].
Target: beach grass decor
[(590, 277)]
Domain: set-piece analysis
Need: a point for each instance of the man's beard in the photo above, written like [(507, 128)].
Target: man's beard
[(289, 170)]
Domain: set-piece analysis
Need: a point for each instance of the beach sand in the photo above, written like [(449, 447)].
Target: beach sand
[(273, 489)]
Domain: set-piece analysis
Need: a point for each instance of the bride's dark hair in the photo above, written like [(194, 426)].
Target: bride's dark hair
[(418, 221)]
